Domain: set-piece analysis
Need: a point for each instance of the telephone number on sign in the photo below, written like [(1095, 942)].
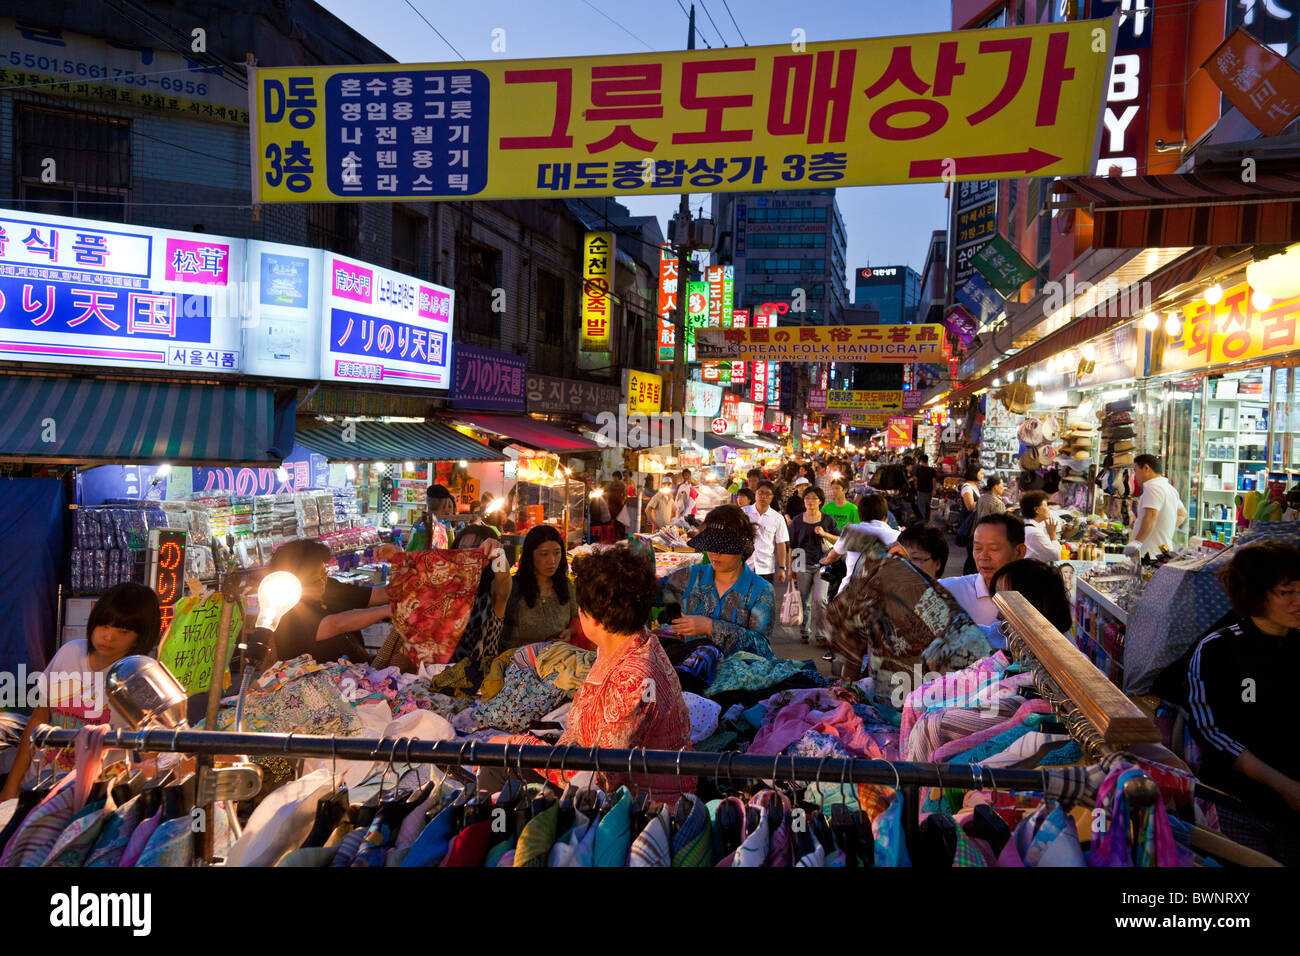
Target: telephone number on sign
[(94, 71)]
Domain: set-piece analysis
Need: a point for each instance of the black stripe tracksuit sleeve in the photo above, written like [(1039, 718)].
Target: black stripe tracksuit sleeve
[(1214, 677)]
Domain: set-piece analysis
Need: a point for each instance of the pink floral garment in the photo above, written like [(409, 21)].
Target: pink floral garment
[(432, 594)]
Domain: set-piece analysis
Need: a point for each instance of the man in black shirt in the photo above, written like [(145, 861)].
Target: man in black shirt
[(924, 476), (1240, 695), (326, 623)]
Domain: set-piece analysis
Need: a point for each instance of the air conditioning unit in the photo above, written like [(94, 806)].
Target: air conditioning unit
[(703, 233)]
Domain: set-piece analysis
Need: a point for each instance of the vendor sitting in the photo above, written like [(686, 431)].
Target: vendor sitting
[(326, 623), (1240, 695), (631, 698), (723, 600)]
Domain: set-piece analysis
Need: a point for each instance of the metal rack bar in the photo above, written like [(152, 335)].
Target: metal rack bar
[(636, 763)]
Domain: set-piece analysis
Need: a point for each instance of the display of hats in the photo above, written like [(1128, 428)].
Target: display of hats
[(1046, 454), (1029, 461), (1124, 431), (1122, 459), (1080, 427), (1030, 432), (1016, 397), (1051, 428), (1121, 405)]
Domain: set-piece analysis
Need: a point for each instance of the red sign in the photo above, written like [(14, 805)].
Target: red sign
[(720, 426), (731, 408), (899, 433), (714, 276), (758, 418), (1264, 86), (667, 280), (739, 320)]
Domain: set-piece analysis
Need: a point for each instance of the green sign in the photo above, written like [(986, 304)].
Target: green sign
[(190, 645), (1000, 263)]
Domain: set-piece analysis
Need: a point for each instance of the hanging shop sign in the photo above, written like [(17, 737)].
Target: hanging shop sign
[(190, 647), (644, 393), (975, 219), (1232, 331), (667, 341), (983, 104), (1004, 267), (1123, 145), (980, 298), (597, 289), (745, 418), (739, 320), (898, 433), (912, 400), (817, 399), (702, 400), (697, 308), (1261, 84), (961, 324), (861, 419), (81, 292), (758, 388), (166, 570), (548, 395), (887, 400), (847, 343), (281, 338), (667, 280), (383, 326), (488, 379)]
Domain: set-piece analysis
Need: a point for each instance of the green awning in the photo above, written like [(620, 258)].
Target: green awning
[(74, 421), (393, 441)]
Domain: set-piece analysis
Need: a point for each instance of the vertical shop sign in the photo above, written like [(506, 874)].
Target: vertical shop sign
[(597, 288)]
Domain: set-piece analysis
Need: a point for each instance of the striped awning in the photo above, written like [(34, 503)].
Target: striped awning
[(74, 421), (529, 431), (393, 441), (1188, 209)]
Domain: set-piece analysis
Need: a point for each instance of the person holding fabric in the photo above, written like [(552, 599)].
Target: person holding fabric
[(872, 530), (541, 605), (1241, 700), (990, 502), (124, 620), (809, 534), (1040, 527), (481, 639), (435, 533), (725, 600), (631, 698), (998, 540), (327, 621)]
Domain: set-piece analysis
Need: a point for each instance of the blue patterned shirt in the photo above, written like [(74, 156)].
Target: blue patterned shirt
[(742, 618)]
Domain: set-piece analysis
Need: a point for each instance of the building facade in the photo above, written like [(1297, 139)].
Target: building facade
[(893, 291)]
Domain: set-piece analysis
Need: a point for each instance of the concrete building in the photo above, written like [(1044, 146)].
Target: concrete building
[(893, 291)]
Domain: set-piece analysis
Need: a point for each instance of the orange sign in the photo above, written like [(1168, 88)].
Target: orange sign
[(1264, 86), (899, 433), (1232, 331)]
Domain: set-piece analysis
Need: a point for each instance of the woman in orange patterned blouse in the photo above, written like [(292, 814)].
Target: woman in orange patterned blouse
[(631, 698)]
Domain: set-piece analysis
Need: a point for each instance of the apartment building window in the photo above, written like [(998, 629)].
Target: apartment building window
[(478, 272), (409, 230), (92, 162), (333, 226), (550, 308)]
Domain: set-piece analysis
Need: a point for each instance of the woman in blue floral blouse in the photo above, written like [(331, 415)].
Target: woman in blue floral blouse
[(724, 600)]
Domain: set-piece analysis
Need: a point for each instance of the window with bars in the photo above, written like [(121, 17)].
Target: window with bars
[(478, 274), (85, 156), (333, 226)]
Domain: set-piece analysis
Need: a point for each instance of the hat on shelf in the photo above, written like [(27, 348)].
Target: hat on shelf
[(1029, 461), (1123, 444)]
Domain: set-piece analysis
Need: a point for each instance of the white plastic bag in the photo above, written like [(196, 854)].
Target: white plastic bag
[(792, 608)]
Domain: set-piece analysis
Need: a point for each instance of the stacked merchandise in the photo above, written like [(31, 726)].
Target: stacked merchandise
[(347, 510), (1073, 460), (1102, 606), (1115, 478), (109, 544)]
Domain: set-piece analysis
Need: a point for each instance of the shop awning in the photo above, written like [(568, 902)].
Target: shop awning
[(1093, 323), (394, 441), (529, 431), (712, 441), (1187, 209), (71, 421)]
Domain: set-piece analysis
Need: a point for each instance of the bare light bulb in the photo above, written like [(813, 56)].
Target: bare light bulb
[(596, 493), (1150, 322), (279, 591), (1214, 294), (351, 471), (1090, 352), (1261, 300), (163, 471), (1172, 325), (495, 505), (282, 473)]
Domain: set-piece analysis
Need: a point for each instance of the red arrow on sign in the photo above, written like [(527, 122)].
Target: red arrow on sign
[(1029, 161)]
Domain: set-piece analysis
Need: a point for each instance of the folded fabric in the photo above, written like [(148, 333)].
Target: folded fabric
[(704, 715), (746, 671), (524, 697), (569, 664), (496, 675), (792, 714)]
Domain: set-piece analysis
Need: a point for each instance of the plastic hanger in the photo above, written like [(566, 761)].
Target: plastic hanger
[(683, 811)]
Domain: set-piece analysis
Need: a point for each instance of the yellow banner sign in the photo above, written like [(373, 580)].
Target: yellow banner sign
[(880, 400), (644, 393), (976, 104), (1232, 331), (862, 419), (597, 286), (841, 343)]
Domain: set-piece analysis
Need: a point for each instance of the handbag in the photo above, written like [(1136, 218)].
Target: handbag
[(966, 528), (792, 608)]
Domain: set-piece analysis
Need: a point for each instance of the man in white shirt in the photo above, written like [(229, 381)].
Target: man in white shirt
[(771, 537), (849, 545), (1160, 510), (998, 540), (1040, 528), (659, 511)]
